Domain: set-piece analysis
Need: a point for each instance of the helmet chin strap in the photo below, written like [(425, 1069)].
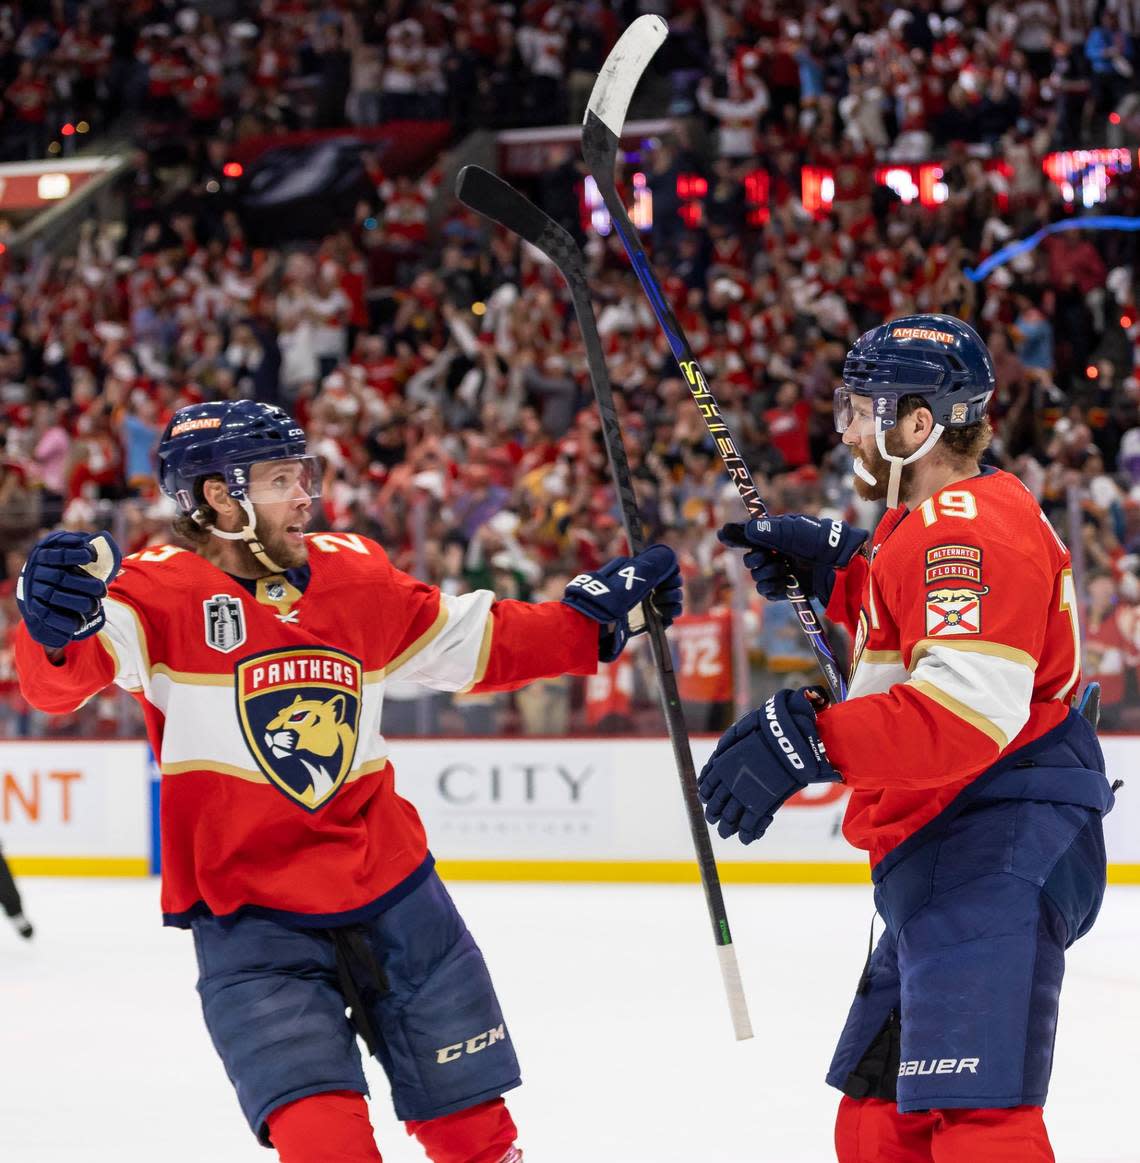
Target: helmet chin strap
[(249, 536), (897, 462)]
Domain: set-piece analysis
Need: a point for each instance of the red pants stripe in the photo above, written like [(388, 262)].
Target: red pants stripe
[(871, 1130), (334, 1128)]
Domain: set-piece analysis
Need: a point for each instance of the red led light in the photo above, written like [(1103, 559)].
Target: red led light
[(68, 130), (1091, 372), (1114, 118), (1126, 321), (233, 169)]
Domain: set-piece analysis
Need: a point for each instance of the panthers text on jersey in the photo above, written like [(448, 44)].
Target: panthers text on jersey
[(263, 700), (966, 645)]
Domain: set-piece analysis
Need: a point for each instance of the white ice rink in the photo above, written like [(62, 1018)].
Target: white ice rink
[(614, 1000)]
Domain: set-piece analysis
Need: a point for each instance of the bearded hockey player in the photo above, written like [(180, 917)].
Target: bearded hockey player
[(976, 787), (260, 659)]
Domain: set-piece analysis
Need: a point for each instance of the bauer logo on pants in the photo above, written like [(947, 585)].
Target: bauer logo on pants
[(300, 714)]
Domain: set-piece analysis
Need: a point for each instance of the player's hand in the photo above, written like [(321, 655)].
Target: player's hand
[(763, 759), (612, 593), (61, 588), (780, 547)]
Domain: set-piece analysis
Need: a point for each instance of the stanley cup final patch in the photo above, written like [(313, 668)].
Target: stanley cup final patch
[(225, 622)]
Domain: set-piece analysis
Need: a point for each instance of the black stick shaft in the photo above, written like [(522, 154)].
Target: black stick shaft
[(493, 198), (599, 147)]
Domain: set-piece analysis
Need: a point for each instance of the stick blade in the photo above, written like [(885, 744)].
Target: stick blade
[(487, 194), (613, 90)]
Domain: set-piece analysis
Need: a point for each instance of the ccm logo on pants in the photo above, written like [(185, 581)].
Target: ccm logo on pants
[(939, 1066), (472, 1045)]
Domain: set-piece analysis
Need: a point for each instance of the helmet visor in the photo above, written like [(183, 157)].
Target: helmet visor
[(842, 409), (269, 482)]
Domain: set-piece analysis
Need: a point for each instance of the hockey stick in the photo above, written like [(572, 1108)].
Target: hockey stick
[(601, 132), (493, 198)]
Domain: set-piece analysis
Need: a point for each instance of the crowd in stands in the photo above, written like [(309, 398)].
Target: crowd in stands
[(439, 372)]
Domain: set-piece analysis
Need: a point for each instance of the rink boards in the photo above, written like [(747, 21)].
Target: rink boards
[(494, 809)]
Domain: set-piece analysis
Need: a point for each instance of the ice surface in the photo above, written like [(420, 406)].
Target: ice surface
[(614, 1000)]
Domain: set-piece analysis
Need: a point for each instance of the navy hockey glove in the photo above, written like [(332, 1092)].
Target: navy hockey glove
[(763, 759), (610, 595), (781, 546), (61, 588)]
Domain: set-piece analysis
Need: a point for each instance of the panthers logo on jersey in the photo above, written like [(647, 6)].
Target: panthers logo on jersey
[(300, 712)]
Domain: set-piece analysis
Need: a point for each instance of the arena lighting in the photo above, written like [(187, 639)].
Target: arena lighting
[(82, 127), (914, 183), (757, 187), (1114, 118), (233, 169), (53, 147), (595, 215), (1092, 372), (817, 189), (1126, 321), (1083, 175), (53, 187), (68, 130), (478, 308)]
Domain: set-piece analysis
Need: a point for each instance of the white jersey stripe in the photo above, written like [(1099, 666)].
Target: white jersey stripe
[(986, 684)]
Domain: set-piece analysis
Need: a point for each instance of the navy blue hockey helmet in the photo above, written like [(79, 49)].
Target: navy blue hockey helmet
[(223, 438), (937, 357)]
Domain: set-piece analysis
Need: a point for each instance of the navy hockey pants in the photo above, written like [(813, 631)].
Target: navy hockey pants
[(958, 1005), (274, 1000)]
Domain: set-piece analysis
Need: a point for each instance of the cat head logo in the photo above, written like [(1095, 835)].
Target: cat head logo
[(300, 714)]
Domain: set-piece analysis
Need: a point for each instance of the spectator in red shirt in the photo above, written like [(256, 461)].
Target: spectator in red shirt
[(788, 425)]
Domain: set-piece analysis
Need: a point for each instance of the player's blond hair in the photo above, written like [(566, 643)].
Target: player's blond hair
[(967, 443)]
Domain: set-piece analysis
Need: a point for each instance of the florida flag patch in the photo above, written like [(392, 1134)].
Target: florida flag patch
[(953, 611)]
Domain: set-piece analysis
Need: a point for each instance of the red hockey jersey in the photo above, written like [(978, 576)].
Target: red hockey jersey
[(263, 711), (966, 645)]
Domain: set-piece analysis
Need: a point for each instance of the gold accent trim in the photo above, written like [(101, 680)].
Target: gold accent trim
[(881, 657), (140, 634), (960, 710), (203, 678), (192, 678), (104, 640), (210, 766), (425, 639), (80, 865), (484, 656), (977, 646)]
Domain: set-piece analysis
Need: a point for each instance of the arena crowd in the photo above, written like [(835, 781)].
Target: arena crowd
[(437, 367)]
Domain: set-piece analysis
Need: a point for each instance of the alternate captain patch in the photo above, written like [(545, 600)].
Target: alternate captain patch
[(949, 564), (225, 623), (300, 714), (953, 611)]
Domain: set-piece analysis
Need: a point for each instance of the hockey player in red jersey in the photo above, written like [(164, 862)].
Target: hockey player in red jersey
[(260, 660), (976, 787)]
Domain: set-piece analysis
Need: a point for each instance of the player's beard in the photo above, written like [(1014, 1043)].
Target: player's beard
[(880, 468), (279, 547)]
